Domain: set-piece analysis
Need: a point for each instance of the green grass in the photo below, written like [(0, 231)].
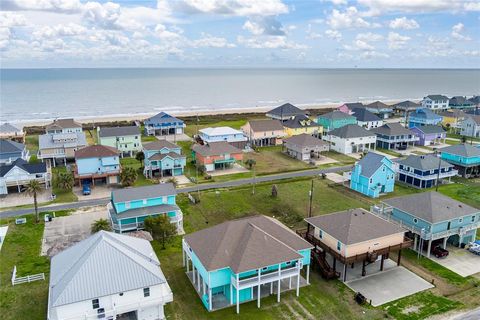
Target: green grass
[(62, 195), (31, 142), (467, 192), (390, 152), (420, 306), (272, 160), (135, 164), (459, 136), (91, 136), (342, 159)]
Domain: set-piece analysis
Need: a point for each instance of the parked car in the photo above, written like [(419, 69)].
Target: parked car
[(439, 252), (474, 248), (86, 189)]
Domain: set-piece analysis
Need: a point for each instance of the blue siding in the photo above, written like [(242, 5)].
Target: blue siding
[(382, 181), (97, 165)]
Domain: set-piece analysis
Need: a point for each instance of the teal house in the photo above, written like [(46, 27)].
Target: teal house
[(432, 217), (244, 260), (373, 175), (163, 158), (128, 208), (127, 140), (465, 158), (335, 119)]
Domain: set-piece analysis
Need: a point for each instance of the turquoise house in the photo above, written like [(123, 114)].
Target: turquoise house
[(335, 119), (163, 158), (128, 208), (244, 260), (432, 217), (423, 117), (465, 158), (373, 175), (97, 165)]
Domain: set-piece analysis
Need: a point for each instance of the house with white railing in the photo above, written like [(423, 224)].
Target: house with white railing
[(244, 260), (107, 276), (431, 216), (129, 207), (16, 176)]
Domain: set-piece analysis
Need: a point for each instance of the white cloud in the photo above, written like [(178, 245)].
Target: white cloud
[(69, 30), (369, 37), (269, 42), (333, 34), (234, 7), (396, 41), (264, 26), (404, 23), (338, 2), (457, 32), (373, 54), (11, 19), (378, 7), (472, 6), (66, 6), (350, 18), (208, 40), (163, 33)]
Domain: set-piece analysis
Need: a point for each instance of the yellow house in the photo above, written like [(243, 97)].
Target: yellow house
[(302, 124), (452, 118)]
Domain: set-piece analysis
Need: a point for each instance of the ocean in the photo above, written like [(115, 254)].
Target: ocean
[(29, 95)]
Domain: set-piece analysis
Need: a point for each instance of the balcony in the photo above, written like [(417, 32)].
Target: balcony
[(266, 277), (451, 173)]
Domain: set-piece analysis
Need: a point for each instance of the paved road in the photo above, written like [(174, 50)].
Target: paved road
[(201, 187)]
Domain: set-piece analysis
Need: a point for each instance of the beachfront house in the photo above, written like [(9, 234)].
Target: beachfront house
[(366, 119), (373, 175), (216, 155), (334, 120), (107, 276), (452, 118), (422, 171), (429, 135), (285, 112), (465, 158), (263, 133), (128, 208), (381, 109), (11, 151), (300, 125), (354, 238), (97, 164), (348, 107), (127, 140), (60, 146), (235, 137), (15, 176), (459, 102), (243, 260), (432, 216), (10, 132), (423, 117), (163, 124), (63, 126), (163, 158), (350, 139), (394, 136), (305, 147), (405, 107), (435, 102), (475, 100), (470, 126)]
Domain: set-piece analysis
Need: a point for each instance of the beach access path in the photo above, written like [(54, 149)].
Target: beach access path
[(199, 187)]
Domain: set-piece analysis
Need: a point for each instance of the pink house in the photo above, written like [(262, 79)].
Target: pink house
[(348, 107)]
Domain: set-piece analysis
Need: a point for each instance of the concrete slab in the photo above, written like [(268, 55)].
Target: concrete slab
[(174, 138), (97, 192), (324, 160), (3, 234), (337, 178), (236, 168), (63, 232), (460, 261), (20, 199), (389, 285)]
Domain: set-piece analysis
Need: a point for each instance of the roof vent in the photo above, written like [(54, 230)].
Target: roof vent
[(355, 214), (422, 157)]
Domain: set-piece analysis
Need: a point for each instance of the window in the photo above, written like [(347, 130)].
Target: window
[(320, 234), (95, 304), (121, 294), (473, 218), (264, 268), (288, 263), (146, 292), (339, 246), (460, 220), (415, 220), (371, 180), (144, 201), (127, 204)]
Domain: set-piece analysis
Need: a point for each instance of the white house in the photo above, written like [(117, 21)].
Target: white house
[(470, 127), (351, 139), (435, 102), (63, 126), (15, 176), (109, 276), (235, 137), (367, 119)]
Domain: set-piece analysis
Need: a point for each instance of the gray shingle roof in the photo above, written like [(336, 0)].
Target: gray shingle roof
[(246, 244), (286, 110), (336, 115), (392, 129), (407, 105), (159, 145), (119, 131), (432, 206), (459, 101), (145, 192), (22, 164), (370, 163), (424, 162), (9, 146), (265, 125), (161, 156), (431, 129), (305, 140), (301, 121), (354, 226), (351, 131), (463, 149), (364, 115), (215, 148), (63, 124), (378, 105), (96, 151), (7, 128), (437, 97), (353, 105), (475, 99), (103, 264), (162, 117)]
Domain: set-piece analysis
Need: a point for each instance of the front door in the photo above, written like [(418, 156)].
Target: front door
[(448, 225)]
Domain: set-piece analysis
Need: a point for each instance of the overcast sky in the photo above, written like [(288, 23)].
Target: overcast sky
[(243, 33)]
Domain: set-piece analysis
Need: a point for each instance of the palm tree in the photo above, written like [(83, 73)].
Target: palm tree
[(173, 181), (128, 176), (33, 188), (140, 156), (250, 163), (100, 224), (65, 180)]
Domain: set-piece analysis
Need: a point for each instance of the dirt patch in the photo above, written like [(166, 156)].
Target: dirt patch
[(411, 309)]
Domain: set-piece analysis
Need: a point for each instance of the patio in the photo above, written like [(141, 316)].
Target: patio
[(236, 168)]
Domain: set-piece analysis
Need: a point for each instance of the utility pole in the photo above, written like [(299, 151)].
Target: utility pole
[(439, 167), (310, 194), (196, 169), (253, 188)]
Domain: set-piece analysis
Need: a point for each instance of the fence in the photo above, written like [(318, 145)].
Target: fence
[(20, 280)]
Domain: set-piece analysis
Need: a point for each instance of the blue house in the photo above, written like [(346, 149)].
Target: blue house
[(422, 117), (373, 175), (244, 259), (433, 217), (465, 158), (11, 151), (422, 171), (163, 158), (163, 124), (128, 208), (97, 164)]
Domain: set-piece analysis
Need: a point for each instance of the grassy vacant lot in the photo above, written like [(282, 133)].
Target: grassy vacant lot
[(390, 152), (62, 195), (459, 136), (135, 164), (273, 160), (31, 142), (342, 159)]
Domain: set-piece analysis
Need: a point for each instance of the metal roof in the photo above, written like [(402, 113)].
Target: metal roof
[(220, 131), (106, 263), (370, 163), (119, 131), (424, 162), (52, 140), (145, 192), (8, 128), (354, 226), (144, 211), (351, 131), (432, 206)]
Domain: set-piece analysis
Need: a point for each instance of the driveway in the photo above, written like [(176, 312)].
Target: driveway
[(460, 261), (389, 285), (174, 138), (63, 232), (337, 178), (324, 160), (96, 192), (236, 168), (20, 199)]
